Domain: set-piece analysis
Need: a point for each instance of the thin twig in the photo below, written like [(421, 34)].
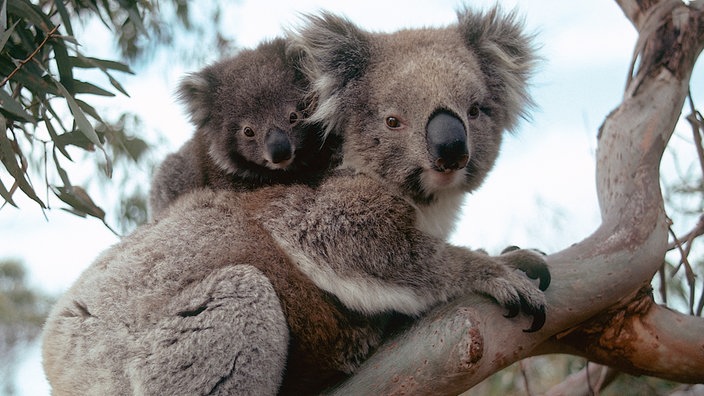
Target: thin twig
[(689, 273), (592, 390), (524, 372), (29, 58), (696, 121), (700, 307), (689, 237)]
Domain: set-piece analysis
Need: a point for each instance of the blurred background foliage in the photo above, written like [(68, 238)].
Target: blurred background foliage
[(22, 313), (48, 87)]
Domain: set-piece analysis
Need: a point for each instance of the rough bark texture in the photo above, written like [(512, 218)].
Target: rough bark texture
[(600, 305)]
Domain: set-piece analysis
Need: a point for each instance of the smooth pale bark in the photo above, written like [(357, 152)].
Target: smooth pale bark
[(599, 300)]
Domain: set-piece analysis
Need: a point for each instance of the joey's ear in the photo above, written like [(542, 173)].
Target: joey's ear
[(507, 58), (196, 92), (333, 51)]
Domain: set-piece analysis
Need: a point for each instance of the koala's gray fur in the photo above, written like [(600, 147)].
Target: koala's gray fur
[(291, 287), (248, 111)]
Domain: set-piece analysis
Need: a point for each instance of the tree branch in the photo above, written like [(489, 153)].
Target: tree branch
[(456, 346), (642, 338)]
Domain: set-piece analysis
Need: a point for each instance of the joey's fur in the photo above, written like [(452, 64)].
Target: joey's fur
[(289, 288), (248, 112)]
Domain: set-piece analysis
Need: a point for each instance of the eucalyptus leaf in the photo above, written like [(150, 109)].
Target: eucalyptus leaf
[(6, 195), (3, 191), (9, 159), (62, 173), (85, 62), (6, 35), (84, 125), (88, 88), (63, 64), (54, 136), (65, 16), (14, 108)]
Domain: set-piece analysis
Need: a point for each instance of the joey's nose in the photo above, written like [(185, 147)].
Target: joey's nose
[(278, 146), (447, 142)]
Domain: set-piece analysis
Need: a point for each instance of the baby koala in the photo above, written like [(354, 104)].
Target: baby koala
[(248, 111)]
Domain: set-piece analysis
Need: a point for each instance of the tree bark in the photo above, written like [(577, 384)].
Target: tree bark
[(599, 302)]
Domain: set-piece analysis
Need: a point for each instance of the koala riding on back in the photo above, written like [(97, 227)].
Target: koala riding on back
[(248, 111)]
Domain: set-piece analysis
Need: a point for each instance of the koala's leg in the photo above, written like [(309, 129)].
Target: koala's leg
[(226, 335)]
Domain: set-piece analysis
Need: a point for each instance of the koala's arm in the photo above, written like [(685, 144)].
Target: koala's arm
[(176, 175), (361, 244)]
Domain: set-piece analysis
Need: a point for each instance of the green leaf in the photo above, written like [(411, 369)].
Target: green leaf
[(117, 85), (75, 139), (30, 80), (62, 173), (80, 202), (136, 19), (6, 195), (54, 136), (14, 108), (8, 158), (88, 88), (6, 35), (63, 64), (85, 62), (3, 191), (84, 125), (65, 17), (90, 110), (104, 65), (30, 12)]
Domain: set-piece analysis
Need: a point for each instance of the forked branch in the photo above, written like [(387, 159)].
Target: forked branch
[(598, 284)]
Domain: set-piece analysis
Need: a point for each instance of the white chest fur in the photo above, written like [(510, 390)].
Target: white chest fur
[(438, 219)]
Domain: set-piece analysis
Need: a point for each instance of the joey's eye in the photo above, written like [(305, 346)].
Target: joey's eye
[(474, 111), (393, 122), (249, 132), (293, 117)]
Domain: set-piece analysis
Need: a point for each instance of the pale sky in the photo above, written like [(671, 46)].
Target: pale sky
[(541, 193)]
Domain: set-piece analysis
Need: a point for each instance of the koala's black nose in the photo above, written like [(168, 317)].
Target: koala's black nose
[(278, 146), (447, 142)]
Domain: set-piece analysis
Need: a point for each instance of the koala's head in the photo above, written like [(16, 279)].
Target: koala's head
[(425, 109), (250, 108)]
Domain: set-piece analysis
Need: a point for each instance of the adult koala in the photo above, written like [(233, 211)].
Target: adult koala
[(289, 288)]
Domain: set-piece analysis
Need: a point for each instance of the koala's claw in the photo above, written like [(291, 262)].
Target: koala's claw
[(539, 319), (534, 269), (538, 313), (541, 273), (509, 249), (513, 311), (526, 298)]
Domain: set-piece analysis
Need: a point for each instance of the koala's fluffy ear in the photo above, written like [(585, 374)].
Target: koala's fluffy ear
[(196, 92), (334, 51), (506, 56)]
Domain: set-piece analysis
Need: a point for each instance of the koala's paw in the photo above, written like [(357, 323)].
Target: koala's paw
[(517, 293), (529, 261)]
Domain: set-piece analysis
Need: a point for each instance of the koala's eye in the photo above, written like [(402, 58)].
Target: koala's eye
[(293, 117), (393, 122), (474, 111), (249, 132)]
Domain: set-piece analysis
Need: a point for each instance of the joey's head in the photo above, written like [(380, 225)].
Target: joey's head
[(250, 109), (425, 109)]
